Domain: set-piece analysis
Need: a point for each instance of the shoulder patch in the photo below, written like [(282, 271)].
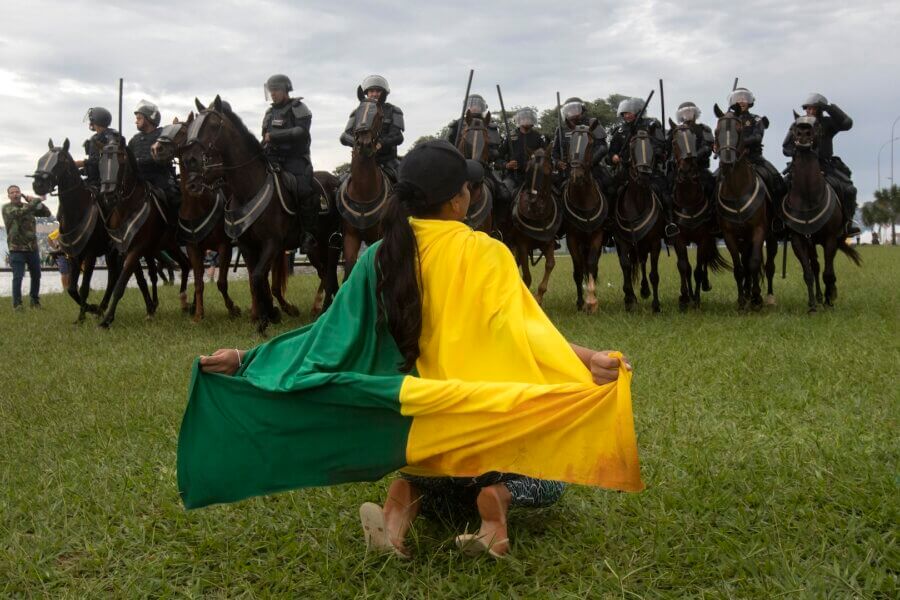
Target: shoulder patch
[(300, 110)]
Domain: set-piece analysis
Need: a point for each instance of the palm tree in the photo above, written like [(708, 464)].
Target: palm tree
[(887, 201)]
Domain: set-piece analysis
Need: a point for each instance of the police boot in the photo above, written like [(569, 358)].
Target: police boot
[(851, 229), (309, 222)]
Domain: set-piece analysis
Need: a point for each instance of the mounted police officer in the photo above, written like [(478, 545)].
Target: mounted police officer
[(574, 113), (754, 127), (688, 114), (161, 175), (286, 140), (524, 140), (478, 107), (620, 153), (836, 172), (99, 120), (375, 87)]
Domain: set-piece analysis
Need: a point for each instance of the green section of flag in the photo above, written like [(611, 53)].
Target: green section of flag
[(315, 406)]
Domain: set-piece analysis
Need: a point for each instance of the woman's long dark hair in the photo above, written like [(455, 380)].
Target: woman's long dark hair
[(397, 268)]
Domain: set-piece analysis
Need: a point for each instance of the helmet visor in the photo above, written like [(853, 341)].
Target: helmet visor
[(740, 96), (476, 104), (688, 113), (525, 118), (572, 110)]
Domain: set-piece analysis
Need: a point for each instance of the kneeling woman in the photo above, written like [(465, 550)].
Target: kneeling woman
[(434, 359)]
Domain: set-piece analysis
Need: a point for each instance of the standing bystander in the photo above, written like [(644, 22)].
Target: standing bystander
[(19, 220), (59, 257)]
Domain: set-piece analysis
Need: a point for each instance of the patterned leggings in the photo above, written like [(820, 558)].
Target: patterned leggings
[(455, 494)]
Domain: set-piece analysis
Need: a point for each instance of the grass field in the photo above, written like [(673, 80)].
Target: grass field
[(768, 441)]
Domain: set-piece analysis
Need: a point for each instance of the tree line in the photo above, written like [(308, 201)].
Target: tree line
[(883, 211)]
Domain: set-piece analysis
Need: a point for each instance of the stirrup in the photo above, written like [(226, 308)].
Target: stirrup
[(851, 229), (672, 230)]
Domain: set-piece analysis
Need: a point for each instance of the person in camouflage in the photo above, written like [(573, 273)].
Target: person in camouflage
[(18, 218)]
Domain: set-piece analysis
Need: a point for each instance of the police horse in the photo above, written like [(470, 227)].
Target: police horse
[(474, 144), (362, 196), (262, 208), (536, 220), (812, 212), (82, 235), (638, 222), (743, 209), (201, 223), (139, 222), (585, 211), (696, 218)]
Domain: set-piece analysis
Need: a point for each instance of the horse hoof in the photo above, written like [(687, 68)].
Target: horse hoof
[(276, 316), (197, 318), (91, 308), (811, 310), (706, 287), (770, 300), (656, 308), (645, 293), (629, 306), (103, 324), (591, 308), (682, 306), (291, 310), (234, 312)]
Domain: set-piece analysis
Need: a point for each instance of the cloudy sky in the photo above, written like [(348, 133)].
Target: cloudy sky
[(59, 58)]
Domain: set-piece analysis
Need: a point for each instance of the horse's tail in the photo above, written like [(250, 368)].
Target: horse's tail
[(715, 261), (850, 251)]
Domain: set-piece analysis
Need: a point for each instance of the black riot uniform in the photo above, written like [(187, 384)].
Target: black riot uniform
[(523, 146), (392, 127), (161, 175), (705, 140), (753, 130), (288, 125), (619, 140), (836, 172), (92, 148), (599, 151)]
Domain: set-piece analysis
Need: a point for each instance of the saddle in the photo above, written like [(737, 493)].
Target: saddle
[(586, 220), (543, 232), (635, 229), (193, 231), (740, 210), (480, 211)]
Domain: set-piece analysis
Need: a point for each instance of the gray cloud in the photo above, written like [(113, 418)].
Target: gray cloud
[(62, 57)]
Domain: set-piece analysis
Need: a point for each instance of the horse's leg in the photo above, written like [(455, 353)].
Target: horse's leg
[(113, 269), (522, 253), (626, 263), (196, 257), (331, 281), (352, 244), (595, 247), (577, 254), (829, 251), (655, 248), (149, 305), (154, 273), (801, 251), (280, 270), (645, 285), (737, 266), (251, 260), (549, 264), (224, 250), (132, 261), (259, 280), (684, 270), (72, 288), (814, 263), (771, 254)]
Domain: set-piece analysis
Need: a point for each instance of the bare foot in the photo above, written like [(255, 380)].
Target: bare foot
[(400, 510), (493, 504)]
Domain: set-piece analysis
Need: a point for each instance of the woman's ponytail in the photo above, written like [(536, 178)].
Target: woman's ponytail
[(397, 266)]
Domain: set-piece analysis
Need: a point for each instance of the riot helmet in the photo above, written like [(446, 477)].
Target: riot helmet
[(149, 110), (525, 117), (815, 100), (741, 95), (687, 111), (573, 108), (377, 82), (476, 104), (98, 116), (278, 82), (630, 105)]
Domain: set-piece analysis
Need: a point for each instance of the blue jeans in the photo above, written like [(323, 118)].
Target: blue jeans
[(18, 260)]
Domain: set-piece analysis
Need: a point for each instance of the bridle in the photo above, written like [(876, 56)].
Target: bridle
[(47, 170), (684, 143), (108, 154), (209, 152), (729, 144), (366, 122)]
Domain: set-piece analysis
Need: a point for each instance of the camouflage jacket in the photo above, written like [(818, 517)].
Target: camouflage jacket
[(19, 222)]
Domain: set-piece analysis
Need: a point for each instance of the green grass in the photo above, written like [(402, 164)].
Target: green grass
[(768, 444)]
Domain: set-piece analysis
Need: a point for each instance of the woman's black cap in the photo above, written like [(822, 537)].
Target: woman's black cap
[(439, 170)]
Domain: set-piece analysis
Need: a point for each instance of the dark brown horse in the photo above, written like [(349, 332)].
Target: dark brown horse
[(82, 235), (138, 221), (742, 205), (201, 224), (474, 144), (813, 214), (586, 210), (361, 197), (639, 223), (536, 219), (695, 216)]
